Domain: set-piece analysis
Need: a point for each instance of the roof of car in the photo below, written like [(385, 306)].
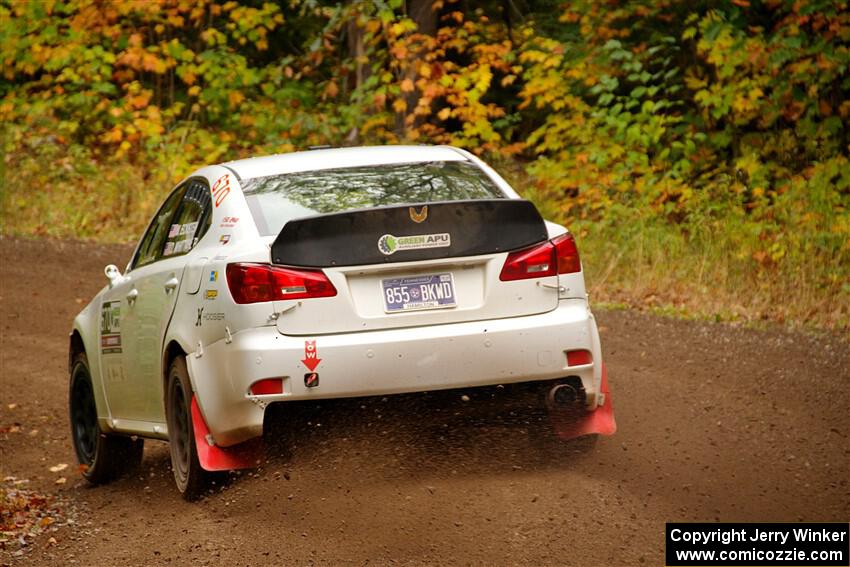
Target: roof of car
[(334, 158)]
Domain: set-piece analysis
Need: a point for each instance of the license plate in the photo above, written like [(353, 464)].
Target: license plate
[(435, 291)]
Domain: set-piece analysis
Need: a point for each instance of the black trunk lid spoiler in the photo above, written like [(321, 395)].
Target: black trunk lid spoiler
[(407, 233)]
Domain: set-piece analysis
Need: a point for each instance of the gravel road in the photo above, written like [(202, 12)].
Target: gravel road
[(716, 423)]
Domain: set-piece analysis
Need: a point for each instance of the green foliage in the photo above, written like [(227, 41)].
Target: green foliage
[(699, 149), (716, 137)]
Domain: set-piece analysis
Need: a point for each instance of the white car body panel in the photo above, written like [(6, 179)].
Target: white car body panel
[(435, 357), (500, 332)]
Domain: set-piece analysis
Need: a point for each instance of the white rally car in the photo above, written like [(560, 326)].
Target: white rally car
[(325, 274)]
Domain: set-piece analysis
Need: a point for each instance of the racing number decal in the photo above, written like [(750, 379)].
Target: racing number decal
[(110, 327), (221, 189)]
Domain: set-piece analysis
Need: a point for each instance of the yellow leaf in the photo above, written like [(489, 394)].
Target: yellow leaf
[(695, 83), (399, 105), (444, 114), (234, 98), (407, 86), (373, 26)]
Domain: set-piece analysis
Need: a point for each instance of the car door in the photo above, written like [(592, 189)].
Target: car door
[(120, 322), (159, 284)]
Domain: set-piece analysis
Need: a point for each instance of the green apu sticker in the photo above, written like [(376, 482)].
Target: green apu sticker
[(389, 244)]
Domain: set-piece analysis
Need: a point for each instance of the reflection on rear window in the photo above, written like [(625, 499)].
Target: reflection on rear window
[(276, 199)]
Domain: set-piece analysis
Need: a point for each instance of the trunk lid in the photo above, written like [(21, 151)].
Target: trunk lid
[(413, 265)]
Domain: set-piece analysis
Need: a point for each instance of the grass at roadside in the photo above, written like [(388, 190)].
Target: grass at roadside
[(707, 266), (65, 193), (702, 268), (660, 271)]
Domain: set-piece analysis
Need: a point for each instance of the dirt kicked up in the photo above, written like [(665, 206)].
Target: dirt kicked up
[(716, 423)]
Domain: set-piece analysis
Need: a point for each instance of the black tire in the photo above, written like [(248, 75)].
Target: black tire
[(191, 479), (104, 456)]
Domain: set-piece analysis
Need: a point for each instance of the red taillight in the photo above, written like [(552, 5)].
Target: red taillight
[(253, 283), (579, 357), (567, 254), (557, 256), (267, 386), (533, 262)]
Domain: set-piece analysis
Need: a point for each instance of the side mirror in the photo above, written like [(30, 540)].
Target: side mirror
[(112, 273)]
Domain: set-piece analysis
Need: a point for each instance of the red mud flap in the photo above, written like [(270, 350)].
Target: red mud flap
[(600, 421), (214, 458)]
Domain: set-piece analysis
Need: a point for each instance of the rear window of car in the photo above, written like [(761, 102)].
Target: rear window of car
[(277, 199)]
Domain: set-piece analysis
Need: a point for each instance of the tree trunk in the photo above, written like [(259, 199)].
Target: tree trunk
[(425, 17)]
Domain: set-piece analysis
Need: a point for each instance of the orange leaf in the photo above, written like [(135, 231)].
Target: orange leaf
[(331, 89), (399, 51)]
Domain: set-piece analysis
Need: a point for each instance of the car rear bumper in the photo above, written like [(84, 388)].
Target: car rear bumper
[(415, 359)]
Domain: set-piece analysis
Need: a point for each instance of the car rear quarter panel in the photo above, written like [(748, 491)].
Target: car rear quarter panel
[(205, 313)]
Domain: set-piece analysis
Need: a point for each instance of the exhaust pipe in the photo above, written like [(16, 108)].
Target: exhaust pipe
[(569, 393), (562, 395)]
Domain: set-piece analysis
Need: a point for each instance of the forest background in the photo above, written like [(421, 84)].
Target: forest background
[(699, 150)]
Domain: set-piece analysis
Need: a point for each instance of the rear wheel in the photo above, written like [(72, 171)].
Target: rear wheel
[(103, 456), (191, 479)]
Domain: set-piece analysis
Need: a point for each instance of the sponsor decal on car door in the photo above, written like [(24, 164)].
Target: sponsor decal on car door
[(117, 337)]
